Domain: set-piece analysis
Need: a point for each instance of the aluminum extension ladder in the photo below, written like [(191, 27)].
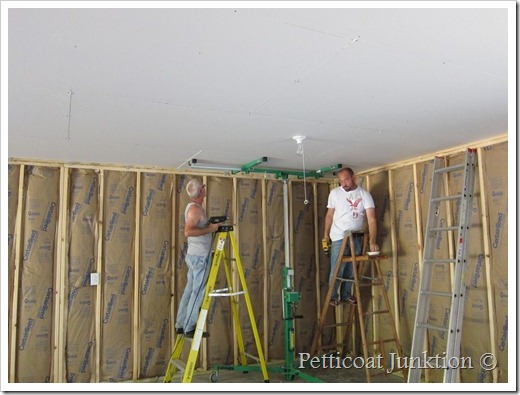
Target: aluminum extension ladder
[(175, 363), (372, 350), (458, 290)]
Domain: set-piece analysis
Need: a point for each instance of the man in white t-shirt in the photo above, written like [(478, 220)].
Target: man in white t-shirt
[(347, 209)]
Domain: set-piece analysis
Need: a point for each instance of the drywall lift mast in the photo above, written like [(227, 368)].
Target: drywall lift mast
[(290, 298)]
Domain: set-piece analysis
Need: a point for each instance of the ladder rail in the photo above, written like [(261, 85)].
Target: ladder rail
[(234, 310), (249, 307), (423, 302), (328, 297), (457, 312)]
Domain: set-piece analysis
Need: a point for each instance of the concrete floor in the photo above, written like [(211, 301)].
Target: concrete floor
[(327, 375)]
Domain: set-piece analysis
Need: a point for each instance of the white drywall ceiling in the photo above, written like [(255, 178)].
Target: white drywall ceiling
[(153, 87)]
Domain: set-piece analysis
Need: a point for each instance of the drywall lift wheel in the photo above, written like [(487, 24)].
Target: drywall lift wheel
[(213, 377)]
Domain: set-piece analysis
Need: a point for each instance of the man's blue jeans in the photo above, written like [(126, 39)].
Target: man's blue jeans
[(193, 293), (345, 270)]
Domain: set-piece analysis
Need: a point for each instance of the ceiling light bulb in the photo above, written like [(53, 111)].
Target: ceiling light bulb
[(299, 142)]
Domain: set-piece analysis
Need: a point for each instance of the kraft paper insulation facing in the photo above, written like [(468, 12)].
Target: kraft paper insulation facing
[(495, 176), (118, 275), (34, 342), (102, 217), (82, 260), (250, 246), (275, 261), (304, 258), (155, 273)]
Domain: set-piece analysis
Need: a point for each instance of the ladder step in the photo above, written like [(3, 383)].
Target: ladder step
[(375, 280), (450, 168), (429, 326), (446, 198), (253, 357), (360, 284), (345, 280), (223, 292), (179, 364), (437, 293)]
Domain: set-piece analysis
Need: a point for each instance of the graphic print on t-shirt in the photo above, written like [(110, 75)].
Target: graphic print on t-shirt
[(354, 206)]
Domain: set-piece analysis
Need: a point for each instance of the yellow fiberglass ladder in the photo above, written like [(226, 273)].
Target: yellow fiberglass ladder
[(187, 368)]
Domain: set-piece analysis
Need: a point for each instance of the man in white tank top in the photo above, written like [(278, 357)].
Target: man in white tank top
[(347, 209), (198, 231)]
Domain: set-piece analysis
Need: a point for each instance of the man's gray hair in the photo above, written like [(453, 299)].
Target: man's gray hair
[(194, 187)]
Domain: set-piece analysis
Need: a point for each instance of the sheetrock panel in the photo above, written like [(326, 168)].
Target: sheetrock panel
[(494, 167), (36, 292), (219, 321), (82, 261), (475, 329), (155, 273), (250, 241), (407, 250), (13, 174), (118, 276), (304, 258), (276, 260)]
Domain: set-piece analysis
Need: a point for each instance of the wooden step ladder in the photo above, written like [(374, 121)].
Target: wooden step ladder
[(176, 364), (374, 351)]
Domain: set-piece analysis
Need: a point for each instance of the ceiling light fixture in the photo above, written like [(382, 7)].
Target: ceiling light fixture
[(301, 152), (299, 142)]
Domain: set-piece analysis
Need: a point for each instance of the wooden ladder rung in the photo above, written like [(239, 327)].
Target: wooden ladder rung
[(344, 280)]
